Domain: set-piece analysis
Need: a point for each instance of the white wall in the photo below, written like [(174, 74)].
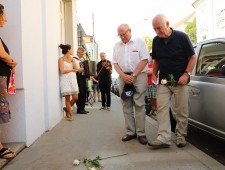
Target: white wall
[(210, 19), (33, 33), (69, 24), (219, 18), (15, 130), (33, 70), (52, 91)]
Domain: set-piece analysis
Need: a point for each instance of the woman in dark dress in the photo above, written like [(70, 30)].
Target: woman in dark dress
[(6, 66)]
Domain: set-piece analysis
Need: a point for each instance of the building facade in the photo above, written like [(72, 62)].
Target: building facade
[(91, 46), (88, 42), (210, 19), (33, 33)]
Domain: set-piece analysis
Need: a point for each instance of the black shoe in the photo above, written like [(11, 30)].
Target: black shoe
[(86, 111), (128, 137), (81, 112)]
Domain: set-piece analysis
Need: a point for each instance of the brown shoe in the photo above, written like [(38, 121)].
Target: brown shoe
[(143, 140), (128, 137)]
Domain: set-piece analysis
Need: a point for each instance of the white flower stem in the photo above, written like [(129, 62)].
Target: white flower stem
[(114, 156)]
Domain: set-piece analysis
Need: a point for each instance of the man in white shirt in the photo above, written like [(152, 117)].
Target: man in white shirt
[(130, 58)]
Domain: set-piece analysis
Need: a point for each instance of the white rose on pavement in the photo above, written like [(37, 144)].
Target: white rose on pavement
[(76, 162)]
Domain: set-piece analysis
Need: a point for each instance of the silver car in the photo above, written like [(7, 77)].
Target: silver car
[(115, 86), (207, 100)]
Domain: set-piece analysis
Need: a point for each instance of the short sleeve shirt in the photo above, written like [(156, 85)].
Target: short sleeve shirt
[(128, 55), (150, 66), (172, 54)]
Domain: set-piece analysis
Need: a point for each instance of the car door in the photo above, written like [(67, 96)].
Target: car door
[(207, 94)]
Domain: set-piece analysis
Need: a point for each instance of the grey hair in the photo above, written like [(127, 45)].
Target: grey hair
[(163, 18), (81, 49), (126, 26), (102, 53)]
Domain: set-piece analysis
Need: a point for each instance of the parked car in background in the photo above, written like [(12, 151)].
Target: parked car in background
[(115, 86), (112, 87), (207, 101)]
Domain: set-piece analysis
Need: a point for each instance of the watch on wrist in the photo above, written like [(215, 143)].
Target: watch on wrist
[(134, 75), (188, 73)]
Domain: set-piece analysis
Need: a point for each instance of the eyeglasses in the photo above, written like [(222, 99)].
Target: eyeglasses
[(80, 53), (122, 35)]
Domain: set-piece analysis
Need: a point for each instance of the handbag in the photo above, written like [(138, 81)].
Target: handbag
[(12, 86)]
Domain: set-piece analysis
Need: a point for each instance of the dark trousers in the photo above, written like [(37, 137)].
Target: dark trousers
[(105, 93), (81, 80)]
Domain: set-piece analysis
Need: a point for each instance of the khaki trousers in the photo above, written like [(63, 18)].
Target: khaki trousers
[(164, 95), (134, 108)]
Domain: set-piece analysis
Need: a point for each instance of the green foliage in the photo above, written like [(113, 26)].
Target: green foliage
[(93, 163), (148, 41), (171, 81), (190, 30)]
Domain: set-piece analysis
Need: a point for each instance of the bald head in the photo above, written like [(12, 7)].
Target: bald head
[(124, 32), (160, 18), (160, 24), (123, 26)]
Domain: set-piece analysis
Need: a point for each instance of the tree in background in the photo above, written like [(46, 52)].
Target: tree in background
[(190, 30), (148, 41)]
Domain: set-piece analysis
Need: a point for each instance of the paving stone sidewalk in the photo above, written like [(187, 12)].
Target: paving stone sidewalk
[(99, 133)]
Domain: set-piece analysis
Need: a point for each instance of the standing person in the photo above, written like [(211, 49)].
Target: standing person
[(151, 88), (7, 63), (174, 55), (96, 89), (130, 57), (104, 71), (81, 79), (68, 82)]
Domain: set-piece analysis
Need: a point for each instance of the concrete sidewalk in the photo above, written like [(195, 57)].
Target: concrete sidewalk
[(100, 133)]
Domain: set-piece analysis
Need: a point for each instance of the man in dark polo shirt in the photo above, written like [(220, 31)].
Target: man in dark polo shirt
[(104, 71), (174, 56)]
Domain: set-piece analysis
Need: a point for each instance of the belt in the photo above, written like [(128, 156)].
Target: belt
[(128, 73), (80, 74)]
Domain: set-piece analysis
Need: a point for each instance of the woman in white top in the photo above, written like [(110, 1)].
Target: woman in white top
[(68, 82)]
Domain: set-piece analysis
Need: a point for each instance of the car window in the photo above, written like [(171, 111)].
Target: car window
[(211, 60)]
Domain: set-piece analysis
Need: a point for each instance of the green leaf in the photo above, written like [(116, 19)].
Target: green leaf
[(96, 163), (171, 81), (98, 158)]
